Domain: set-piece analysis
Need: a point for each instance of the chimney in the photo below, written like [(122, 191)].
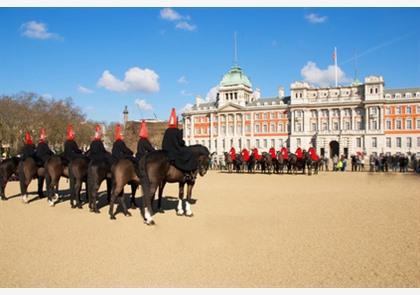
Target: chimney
[(281, 92), (198, 100), (257, 94)]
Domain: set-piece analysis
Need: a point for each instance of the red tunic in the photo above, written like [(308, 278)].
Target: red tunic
[(299, 153), (272, 153), (256, 155), (232, 154), (245, 155), (312, 153), (284, 153)]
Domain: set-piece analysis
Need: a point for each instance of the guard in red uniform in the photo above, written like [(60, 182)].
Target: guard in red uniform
[(313, 154), (285, 153), (245, 155), (299, 153), (232, 154), (256, 155), (272, 152)]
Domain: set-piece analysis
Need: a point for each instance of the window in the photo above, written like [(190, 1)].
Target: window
[(374, 142), (198, 131), (257, 128), (239, 129), (324, 126), (398, 124), (265, 128), (265, 143), (359, 125), (257, 116), (358, 142), (272, 127), (273, 115), (248, 143), (374, 125), (408, 124), (335, 125), (227, 96), (248, 128), (388, 110), (388, 124), (409, 142), (398, 110), (298, 143), (257, 143), (399, 142), (313, 114), (223, 144), (408, 110), (418, 124), (236, 95), (248, 116), (265, 115), (298, 127), (223, 130), (374, 111), (347, 125), (418, 109), (281, 127), (230, 129), (388, 142), (313, 127), (418, 141), (273, 143)]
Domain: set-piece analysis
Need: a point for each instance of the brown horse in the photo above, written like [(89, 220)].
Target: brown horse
[(98, 171), (156, 171), (124, 172), (28, 170), (8, 167), (78, 169), (55, 168)]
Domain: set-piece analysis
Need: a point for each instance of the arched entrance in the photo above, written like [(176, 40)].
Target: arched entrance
[(334, 148)]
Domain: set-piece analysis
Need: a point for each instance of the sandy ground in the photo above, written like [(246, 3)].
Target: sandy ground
[(330, 230)]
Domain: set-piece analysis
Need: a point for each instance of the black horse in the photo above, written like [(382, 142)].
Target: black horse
[(98, 171), (156, 170), (55, 168), (8, 167), (78, 169), (298, 164), (28, 170)]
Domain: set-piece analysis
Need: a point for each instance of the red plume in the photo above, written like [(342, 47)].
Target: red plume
[(98, 132), (172, 119), (43, 135), (118, 135), (143, 130), (70, 132), (28, 138)]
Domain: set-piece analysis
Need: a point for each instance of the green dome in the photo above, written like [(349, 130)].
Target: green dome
[(235, 76)]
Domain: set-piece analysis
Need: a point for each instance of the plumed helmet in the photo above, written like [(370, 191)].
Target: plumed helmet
[(28, 138), (118, 134), (143, 130), (173, 119), (42, 135), (70, 132)]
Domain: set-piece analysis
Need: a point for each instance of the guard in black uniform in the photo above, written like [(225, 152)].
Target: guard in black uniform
[(71, 149), (143, 145), (119, 149), (28, 150), (178, 153), (43, 151), (97, 150)]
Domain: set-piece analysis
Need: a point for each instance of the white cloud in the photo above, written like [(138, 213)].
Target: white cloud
[(181, 20), (37, 30), (186, 93), (314, 18), (212, 94), (84, 90), (182, 80), (170, 14), (143, 105), (135, 79), (186, 26), (322, 77)]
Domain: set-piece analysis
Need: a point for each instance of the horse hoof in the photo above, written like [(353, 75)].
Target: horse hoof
[(73, 206), (79, 207), (179, 213), (51, 203), (128, 214), (161, 211), (97, 211), (189, 215), (3, 199), (113, 218), (133, 206), (149, 222)]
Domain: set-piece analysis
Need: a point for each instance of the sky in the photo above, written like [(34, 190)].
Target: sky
[(153, 59)]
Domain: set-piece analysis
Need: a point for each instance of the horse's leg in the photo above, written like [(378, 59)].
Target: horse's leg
[(116, 190), (148, 198), (3, 182), (71, 186), (23, 184), (77, 190), (180, 210), (108, 189), (133, 196), (188, 211), (161, 187), (122, 203), (40, 186)]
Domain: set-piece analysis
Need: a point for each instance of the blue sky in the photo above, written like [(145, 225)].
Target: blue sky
[(169, 56)]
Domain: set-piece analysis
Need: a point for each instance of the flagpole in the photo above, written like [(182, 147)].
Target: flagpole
[(336, 68)]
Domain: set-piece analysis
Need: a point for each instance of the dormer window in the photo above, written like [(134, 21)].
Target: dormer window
[(408, 95), (418, 94), (397, 95), (388, 96)]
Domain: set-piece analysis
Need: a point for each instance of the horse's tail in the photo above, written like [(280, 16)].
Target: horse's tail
[(22, 178), (144, 177)]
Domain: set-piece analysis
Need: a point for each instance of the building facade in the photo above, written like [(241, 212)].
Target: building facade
[(361, 117)]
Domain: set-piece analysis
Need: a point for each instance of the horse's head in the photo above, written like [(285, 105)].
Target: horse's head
[(203, 158)]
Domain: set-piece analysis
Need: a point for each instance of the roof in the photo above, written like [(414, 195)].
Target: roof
[(285, 100), (401, 90), (235, 76)]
